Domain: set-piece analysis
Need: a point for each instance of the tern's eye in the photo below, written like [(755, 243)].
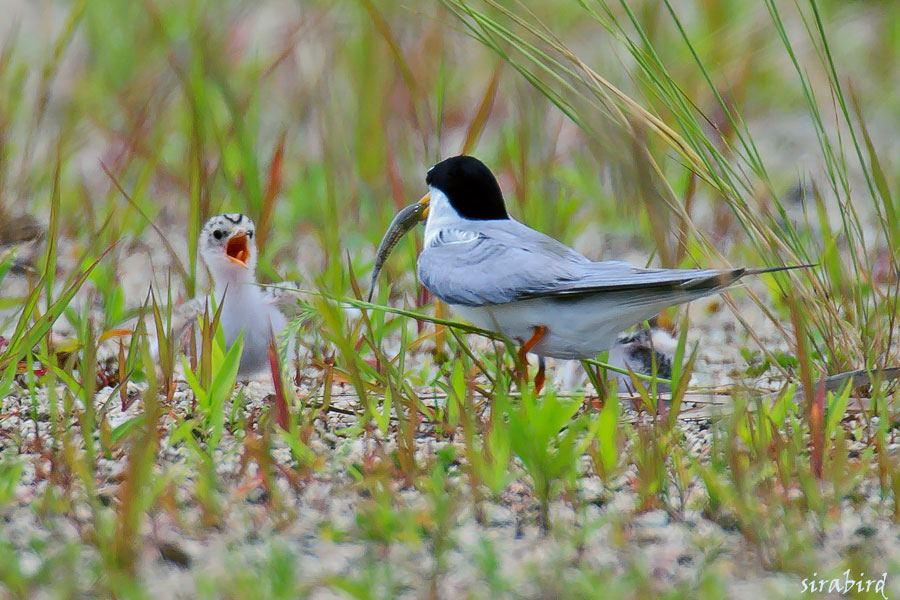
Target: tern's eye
[(218, 233)]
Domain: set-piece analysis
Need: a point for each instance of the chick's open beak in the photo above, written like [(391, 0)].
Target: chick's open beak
[(237, 249)]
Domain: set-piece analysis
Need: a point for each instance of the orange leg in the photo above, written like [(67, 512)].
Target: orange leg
[(540, 377), (539, 332)]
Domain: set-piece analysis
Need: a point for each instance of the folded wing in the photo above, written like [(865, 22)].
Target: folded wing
[(511, 262)]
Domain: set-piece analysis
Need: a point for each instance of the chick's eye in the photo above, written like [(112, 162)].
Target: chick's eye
[(218, 234), (250, 234)]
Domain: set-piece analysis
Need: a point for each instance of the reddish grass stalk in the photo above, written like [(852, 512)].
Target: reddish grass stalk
[(817, 428), (281, 407)]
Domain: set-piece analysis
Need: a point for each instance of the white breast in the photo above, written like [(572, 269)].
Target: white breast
[(245, 310)]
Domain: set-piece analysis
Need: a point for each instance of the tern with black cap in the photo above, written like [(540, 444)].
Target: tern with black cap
[(504, 276)]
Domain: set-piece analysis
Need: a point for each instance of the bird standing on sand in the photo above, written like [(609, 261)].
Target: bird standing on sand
[(228, 248), (504, 276)]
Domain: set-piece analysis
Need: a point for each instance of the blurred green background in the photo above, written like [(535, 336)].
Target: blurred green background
[(188, 104)]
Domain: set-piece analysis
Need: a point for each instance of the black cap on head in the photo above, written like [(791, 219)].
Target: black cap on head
[(470, 186)]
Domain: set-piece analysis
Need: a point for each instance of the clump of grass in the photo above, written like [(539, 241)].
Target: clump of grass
[(548, 441)]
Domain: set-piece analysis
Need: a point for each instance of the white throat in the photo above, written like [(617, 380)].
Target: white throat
[(441, 216), (238, 280)]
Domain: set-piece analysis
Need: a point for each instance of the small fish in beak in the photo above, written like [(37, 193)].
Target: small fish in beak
[(403, 222), (237, 250)]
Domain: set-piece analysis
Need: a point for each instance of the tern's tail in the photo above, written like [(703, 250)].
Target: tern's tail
[(723, 279), (761, 270)]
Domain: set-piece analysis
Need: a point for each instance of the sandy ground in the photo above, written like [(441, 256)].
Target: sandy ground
[(316, 523)]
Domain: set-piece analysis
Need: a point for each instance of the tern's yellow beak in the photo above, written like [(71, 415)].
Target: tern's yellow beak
[(237, 250), (424, 202)]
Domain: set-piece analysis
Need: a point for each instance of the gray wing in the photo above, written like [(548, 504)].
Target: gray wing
[(185, 315), (509, 261)]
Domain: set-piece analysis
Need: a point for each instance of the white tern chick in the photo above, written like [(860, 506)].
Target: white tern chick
[(637, 351), (228, 248)]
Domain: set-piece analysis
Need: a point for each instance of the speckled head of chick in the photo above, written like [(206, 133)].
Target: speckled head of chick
[(228, 247)]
